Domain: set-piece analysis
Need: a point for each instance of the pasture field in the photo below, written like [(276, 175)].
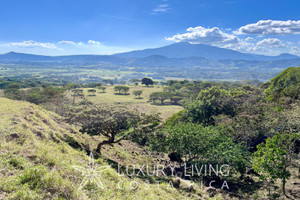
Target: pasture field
[(132, 102)]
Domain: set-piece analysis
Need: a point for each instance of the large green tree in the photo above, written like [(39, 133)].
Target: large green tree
[(196, 143), (147, 81), (210, 103)]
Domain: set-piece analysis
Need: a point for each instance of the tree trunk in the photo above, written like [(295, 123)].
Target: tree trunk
[(283, 185), (109, 141)]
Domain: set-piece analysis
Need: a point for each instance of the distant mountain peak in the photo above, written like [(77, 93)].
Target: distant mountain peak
[(185, 49), (287, 56), (11, 52)]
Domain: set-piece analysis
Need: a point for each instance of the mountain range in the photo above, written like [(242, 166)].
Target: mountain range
[(184, 49), (175, 55)]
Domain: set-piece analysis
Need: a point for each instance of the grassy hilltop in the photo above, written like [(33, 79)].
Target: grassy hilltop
[(38, 151)]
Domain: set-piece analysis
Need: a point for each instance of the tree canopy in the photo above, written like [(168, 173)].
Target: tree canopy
[(286, 84), (147, 81)]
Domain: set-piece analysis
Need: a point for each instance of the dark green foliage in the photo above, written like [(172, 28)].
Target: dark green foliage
[(209, 104), (195, 143), (144, 133), (111, 122), (286, 84), (147, 81)]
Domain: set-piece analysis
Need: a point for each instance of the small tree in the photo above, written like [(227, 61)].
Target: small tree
[(113, 123), (138, 93), (92, 92), (121, 89), (159, 96), (125, 89), (102, 88), (77, 93), (147, 81), (118, 89), (273, 158)]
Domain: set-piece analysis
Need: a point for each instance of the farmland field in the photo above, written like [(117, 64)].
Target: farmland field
[(129, 100)]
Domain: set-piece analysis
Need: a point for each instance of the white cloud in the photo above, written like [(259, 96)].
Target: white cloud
[(93, 42), (241, 46), (295, 49), (67, 42), (271, 42), (161, 8), (271, 27), (33, 44), (203, 35), (249, 39)]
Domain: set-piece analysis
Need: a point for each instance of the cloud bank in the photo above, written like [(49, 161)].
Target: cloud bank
[(271, 27), (242, 39), (271, 42), (203, 35)]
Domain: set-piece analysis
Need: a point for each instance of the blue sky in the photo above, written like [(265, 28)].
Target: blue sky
[(62, 27)]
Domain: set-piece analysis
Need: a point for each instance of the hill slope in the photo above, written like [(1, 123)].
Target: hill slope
[(38, 150)]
